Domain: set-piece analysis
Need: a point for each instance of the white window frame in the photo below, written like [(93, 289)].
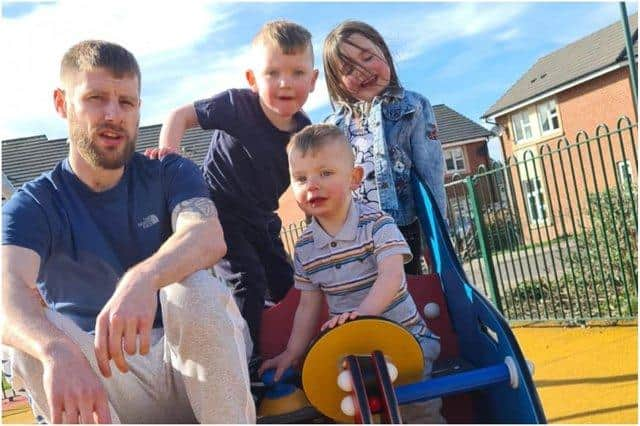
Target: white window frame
[(624, 170), (455, 155), (549, 115), (535, 194), (518, 122)]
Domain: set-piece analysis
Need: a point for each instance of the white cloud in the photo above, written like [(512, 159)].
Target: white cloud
[(33, 44), (461, 20), (176, 66), (508, 34)]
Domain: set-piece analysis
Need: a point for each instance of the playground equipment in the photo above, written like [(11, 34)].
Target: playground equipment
[(480, 374)]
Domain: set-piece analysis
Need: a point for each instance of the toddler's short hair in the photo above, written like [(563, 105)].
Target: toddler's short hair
[(288, 36), (91, 54), (315, 136)]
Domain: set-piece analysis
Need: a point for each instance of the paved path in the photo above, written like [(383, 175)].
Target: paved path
[(584, 375), (514, 267)]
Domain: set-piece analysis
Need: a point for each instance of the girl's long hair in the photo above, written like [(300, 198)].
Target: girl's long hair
[(333, 59)]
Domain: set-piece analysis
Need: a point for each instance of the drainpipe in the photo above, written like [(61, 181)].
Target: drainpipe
[(497, 130), (633, 74)]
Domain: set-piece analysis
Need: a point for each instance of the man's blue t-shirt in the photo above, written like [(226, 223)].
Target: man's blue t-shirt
[(246, 166), (87, 240)]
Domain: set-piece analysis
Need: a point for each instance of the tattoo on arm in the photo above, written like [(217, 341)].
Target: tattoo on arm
[(193, 209)]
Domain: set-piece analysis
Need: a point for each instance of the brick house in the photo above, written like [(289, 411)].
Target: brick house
[(569, 91)]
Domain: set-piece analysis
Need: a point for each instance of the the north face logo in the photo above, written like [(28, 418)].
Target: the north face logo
[(148, 221)]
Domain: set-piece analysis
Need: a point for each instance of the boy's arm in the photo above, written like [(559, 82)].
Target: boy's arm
[(391, 252), (386, 286), (174, 126), (304, 329), (305, 321)]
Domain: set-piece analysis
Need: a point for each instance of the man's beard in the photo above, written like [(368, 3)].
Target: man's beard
[(91, 153)]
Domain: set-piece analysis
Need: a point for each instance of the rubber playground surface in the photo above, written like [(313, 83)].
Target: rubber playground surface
[(583, 375)]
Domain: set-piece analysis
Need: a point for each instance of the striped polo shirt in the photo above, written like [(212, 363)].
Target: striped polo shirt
[(345, 267)]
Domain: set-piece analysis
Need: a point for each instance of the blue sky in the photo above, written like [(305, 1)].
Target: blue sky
[(462, 54)]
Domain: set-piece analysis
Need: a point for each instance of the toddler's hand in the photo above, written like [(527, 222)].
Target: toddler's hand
[(281, 362), (159, 153), (340, 319)]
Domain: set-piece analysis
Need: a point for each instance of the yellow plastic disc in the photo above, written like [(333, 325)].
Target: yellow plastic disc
[(360, 337)]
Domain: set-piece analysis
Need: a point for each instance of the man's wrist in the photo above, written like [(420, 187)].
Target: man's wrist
[(144, 272), (59, 348)]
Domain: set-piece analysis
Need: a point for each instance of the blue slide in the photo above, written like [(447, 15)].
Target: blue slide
[(485, 338)]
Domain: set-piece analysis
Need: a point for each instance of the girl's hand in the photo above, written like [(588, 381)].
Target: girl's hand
[(340, 319), (281, 362)]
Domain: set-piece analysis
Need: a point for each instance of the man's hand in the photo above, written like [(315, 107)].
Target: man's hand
[(130, 312), (74, 393), (160, 153), (340, 319)]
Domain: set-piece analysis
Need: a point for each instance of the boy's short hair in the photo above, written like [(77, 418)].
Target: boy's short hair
[(315, 136), (288, 36), (91, 54)]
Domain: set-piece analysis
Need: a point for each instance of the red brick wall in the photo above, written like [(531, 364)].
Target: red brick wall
[(475, 155), (584, 107)]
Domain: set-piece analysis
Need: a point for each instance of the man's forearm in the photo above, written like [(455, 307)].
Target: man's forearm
[(197, 243), (181, 255), (25, 327)]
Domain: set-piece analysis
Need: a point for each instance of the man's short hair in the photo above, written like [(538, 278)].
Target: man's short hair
[(290, 37), (315, 136), (91, 54)]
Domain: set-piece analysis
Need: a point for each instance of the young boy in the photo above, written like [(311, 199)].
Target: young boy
[(350, 253), (246, 165)]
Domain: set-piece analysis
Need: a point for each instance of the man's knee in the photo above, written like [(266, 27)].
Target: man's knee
[(198, 293), (201, 305)]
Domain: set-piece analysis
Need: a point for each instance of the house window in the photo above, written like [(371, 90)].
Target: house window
[(624, 172), (535, 121), (536, 207), (548, 116), (454, 159), (522, 126)]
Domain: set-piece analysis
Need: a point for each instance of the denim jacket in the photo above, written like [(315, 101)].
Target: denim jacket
[(405, 140)]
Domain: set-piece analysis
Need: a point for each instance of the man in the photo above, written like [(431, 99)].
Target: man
[(100, 239)]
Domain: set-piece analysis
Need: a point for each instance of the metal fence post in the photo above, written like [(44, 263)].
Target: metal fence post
[(484, 247), (633, 76)]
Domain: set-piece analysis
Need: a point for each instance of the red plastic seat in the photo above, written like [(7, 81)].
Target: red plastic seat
[(277, 323)]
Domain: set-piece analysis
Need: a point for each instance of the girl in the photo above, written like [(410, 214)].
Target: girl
[(392, 130)]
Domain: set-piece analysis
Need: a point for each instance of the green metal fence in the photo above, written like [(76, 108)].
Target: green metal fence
[(551, 233)]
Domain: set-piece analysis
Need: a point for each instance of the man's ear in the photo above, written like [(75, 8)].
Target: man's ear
[(313, 80), (356, 177), (60, 102), (251, 79)]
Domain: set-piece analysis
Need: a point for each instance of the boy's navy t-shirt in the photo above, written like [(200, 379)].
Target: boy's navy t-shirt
[(246, 166), (87, 240)]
